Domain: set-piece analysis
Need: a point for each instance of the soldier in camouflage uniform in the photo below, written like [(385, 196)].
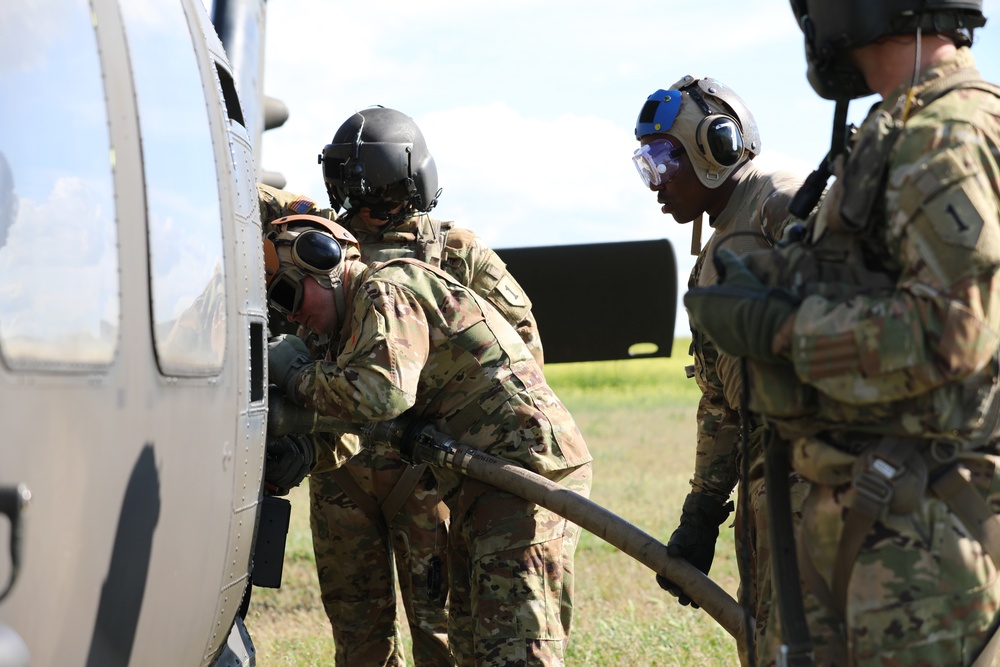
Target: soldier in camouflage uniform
[(409, 338), (876, 336), (698, 140), (387, 208)]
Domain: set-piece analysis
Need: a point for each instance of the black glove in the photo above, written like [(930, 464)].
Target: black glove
[(288, 459), (740, 314), (694, 540), (287, 358)]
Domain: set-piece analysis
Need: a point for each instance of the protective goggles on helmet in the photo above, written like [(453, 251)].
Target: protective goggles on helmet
[(657, 161), (313, 251), (286, 290)]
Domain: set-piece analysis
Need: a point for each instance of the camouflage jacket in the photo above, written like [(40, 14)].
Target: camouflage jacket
[(458, 251), (757, 213), (919, 197), (419, 342)]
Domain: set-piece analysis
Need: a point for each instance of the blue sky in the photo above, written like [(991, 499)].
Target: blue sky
[(529, 107)]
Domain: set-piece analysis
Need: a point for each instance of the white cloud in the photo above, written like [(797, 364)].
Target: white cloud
[(25, 25), (529, 107)]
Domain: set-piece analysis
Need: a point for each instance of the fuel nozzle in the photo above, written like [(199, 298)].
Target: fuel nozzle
[(286, 418), (420, 442)]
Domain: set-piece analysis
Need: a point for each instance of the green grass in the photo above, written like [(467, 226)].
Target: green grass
[(638, 419)]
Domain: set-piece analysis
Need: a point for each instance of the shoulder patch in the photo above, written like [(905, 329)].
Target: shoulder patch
[(459, 238), (302, 204), (511, 291)]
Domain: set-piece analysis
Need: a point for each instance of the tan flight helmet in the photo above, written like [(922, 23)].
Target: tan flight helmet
[(306, 245), (713, 124)]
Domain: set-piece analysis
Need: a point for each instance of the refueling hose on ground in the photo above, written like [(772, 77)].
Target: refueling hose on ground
[(420, 442)]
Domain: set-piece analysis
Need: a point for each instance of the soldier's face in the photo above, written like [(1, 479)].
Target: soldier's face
[(683, 196), (318, 311)]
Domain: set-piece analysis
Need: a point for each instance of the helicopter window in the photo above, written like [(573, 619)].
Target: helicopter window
[(232, 100), (182, 190), (59, 292), (257, 361)]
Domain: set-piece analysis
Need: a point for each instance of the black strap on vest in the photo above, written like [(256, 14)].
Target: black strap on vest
[(812, 188), (796, 649)]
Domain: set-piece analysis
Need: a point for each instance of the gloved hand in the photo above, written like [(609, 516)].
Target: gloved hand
[(288, 459), (694, 539), (287, 358), (740, 314)]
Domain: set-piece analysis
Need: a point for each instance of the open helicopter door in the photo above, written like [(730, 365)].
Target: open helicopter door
[(600, 301)]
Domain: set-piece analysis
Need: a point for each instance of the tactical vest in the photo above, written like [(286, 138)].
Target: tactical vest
[(426, 245), (895, 453), (844, 253), (443, 246)]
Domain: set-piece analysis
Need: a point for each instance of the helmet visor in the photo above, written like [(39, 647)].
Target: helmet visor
[(367, 164), (657, 161)]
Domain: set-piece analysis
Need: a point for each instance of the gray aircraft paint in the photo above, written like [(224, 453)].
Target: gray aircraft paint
[(142, 448)]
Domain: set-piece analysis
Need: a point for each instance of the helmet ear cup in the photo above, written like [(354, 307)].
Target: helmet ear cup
[(271, 261), (720, 140)]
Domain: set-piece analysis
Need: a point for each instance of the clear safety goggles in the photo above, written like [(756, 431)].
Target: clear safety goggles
[(657, 162)]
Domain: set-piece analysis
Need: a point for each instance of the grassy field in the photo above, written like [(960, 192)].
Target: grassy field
[(638, 419)]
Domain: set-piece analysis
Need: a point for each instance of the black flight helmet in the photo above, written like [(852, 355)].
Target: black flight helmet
[(834, 27), (378, 159)]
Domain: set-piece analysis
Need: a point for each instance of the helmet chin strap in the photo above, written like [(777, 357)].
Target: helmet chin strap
[(696, 225), (340, 297)]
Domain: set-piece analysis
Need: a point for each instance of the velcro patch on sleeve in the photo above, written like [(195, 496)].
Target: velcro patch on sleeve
[(302, 204)]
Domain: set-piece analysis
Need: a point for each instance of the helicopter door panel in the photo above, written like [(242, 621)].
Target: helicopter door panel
[(600, 301)]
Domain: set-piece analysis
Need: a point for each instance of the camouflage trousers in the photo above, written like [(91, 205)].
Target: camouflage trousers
[(511, 565), (753, 554), (358, 572), (922, 590)]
